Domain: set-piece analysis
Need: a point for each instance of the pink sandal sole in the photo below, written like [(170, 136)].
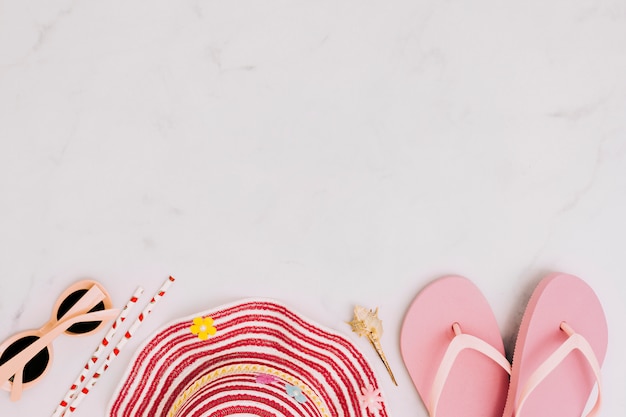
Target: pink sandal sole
[(452, 347), (560, 347)]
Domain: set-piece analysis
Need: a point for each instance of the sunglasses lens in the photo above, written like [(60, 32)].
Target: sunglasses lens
[(82, 327), (36, 366)]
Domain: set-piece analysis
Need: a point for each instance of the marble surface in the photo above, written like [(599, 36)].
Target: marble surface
[(324, 154)]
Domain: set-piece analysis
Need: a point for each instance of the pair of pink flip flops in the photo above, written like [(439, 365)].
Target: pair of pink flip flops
[(453, 350)]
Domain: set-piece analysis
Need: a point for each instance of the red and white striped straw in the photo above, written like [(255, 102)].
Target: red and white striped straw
[(71, 393), (118, 347)]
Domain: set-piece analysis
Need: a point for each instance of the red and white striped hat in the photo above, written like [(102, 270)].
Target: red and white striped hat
[(254, 357)]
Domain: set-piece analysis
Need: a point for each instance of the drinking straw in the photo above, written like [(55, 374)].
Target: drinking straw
[(119, 346), (71, 393)]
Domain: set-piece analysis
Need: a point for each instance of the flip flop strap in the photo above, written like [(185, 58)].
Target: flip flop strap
[(575, 341), (459, 343)]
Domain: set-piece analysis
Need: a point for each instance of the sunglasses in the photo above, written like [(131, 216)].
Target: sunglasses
[(25, 357)]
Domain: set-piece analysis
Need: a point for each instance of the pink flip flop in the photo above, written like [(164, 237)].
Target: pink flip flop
[(560, 347), (453, 350)]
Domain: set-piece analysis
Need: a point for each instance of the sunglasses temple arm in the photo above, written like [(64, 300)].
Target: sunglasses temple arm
[(92, 297), (17, 363), (16, 387)]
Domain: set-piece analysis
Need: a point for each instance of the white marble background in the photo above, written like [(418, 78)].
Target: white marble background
[(323, 153)]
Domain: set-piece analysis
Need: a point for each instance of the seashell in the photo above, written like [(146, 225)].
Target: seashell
[(366, 323)]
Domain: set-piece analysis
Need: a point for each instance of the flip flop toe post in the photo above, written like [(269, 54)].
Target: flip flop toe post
[(452, 348)]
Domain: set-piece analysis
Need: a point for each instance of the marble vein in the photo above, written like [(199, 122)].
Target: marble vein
[(588, 185)]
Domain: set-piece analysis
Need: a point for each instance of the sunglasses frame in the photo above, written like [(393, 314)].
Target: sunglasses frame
[(86, 285)]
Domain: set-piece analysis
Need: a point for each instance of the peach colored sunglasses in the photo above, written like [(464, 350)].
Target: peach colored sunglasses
[(25, 357)]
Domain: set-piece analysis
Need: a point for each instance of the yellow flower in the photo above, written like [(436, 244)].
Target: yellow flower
[(203, 327)]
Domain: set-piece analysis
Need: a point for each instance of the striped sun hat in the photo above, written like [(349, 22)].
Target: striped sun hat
[(255, 357)]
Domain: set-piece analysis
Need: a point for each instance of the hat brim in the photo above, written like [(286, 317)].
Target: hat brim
[(263, 359)]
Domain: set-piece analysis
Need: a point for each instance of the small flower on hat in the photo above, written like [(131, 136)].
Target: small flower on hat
[(203, 327), (265, 379), (296, 393), (371, 398)]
